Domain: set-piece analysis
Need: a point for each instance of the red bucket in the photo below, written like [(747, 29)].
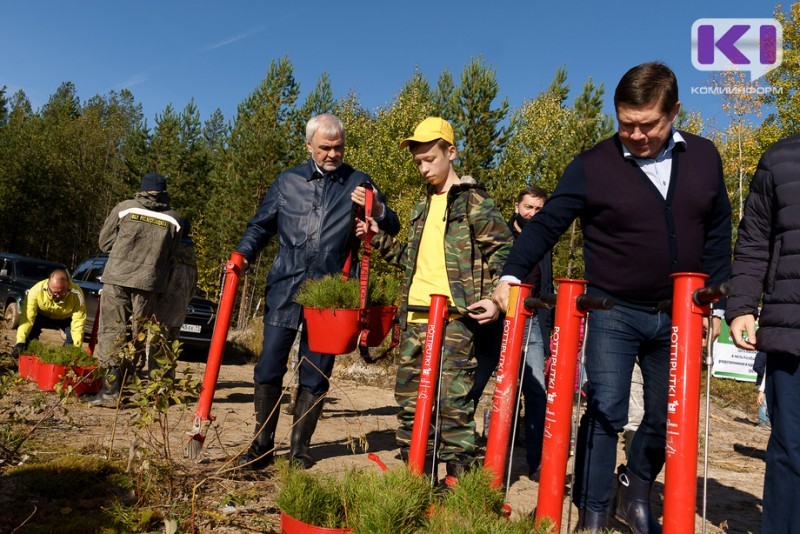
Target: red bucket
[(85, 380), (290, 525), (332, 331), (27, 366), (381, 319), (49, 374)]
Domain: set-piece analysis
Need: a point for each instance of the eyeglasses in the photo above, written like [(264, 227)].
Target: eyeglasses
[(57, 294)]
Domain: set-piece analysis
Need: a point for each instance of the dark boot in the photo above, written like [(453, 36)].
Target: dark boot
[(307, 410), (633, 504), (454, 471), (260, 453), (590, 520), (427, 468), (109, 394)]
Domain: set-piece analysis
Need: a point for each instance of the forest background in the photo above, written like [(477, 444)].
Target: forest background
[(65, 165)]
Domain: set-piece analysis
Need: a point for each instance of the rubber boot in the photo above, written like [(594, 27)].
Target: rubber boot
[(307, 410), (109, 394), (633, 504), (427, 468), (260, 454), (454, 471), (589, 520)]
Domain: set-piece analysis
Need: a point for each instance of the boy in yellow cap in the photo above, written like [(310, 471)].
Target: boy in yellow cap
[(457, 244)]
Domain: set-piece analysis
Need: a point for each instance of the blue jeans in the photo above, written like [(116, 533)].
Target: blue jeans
[(782, 479), (274, 357), (763, 414), (614, 339), (534, 393)]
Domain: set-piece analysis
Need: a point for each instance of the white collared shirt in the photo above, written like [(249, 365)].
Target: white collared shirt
[(658, 169)]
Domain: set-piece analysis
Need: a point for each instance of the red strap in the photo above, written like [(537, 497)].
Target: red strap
[(363, 347), (364, 275)]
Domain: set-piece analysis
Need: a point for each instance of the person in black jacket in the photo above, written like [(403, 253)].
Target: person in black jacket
[(537, 331), (309, 208), (766, 270), (651, 202)]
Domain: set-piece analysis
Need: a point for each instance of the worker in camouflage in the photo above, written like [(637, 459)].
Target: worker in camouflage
[(457, 243)]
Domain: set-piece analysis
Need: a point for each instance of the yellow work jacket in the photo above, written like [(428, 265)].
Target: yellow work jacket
[(38, 300)]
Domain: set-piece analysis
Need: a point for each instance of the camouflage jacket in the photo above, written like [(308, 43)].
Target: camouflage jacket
[(476, 243)]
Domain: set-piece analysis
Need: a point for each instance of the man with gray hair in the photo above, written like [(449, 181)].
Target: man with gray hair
[(309, 208)]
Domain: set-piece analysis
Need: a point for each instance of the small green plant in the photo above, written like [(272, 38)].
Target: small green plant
[(154, 396), (313, 499), (331, 291), (384, 290), (396, 501), (64, 355), (334, 292)]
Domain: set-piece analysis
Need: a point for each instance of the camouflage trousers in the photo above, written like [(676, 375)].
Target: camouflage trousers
[(118, 306), (456, 409)]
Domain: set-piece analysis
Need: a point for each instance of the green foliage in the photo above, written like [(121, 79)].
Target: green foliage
[(395, 501), (60, 355), (334, 292), (162, 388), (785, 80), (479, 135), (313, 499), (331, 291), (72, 493), (474, 493), (384, 290)]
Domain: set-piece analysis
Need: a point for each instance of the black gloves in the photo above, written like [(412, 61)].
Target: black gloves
[(17, 348)]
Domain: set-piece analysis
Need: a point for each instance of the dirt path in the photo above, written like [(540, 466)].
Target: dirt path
[(358, 412)]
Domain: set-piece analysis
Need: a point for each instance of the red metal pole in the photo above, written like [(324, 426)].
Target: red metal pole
[(428, 379), (560, 394), (233, 271), (505, 391), (683, 404)]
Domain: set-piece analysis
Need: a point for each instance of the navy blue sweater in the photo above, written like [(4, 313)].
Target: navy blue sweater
[(634, 239)]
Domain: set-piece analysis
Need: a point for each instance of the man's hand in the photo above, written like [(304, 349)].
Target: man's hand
[(489, 313), (19, 347), (500, 295), (363, 227), (359, 196), (744, 325)]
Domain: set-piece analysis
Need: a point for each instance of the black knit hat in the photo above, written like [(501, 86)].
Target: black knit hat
[(154, 182)]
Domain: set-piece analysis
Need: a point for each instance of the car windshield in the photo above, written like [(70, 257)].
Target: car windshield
[(34, 270)]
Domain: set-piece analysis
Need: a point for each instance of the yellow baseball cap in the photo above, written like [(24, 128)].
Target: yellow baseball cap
[(431, 129)]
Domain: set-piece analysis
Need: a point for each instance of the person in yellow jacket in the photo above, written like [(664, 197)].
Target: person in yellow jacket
[(56, 302)]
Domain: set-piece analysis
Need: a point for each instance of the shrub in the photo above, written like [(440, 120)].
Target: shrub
[(334, 292), (395, 501), (65, 355)]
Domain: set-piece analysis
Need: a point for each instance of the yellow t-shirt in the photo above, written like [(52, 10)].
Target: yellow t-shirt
[(430, 276)]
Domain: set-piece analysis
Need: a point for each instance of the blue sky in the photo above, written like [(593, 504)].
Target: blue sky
[(217, 52)]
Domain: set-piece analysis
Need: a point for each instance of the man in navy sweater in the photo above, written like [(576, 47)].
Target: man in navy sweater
[(651, 202)]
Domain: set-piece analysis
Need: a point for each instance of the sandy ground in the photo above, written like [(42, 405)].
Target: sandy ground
[(359, 417)]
